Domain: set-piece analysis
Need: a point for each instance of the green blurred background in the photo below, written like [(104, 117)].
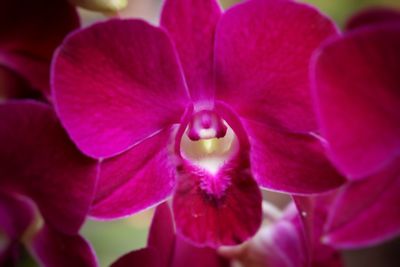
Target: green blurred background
[(112, 239)]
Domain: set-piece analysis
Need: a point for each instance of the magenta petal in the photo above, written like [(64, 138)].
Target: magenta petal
[(287, 162), (373, 16), (15, 216), (188, 255), (137, 179), (39, 161), (366, 212), (128, 85), (146, 257), (30, 32), (191, 25), (215, 220), (162, 234), (263, 49), (357, 96), (54, 249)]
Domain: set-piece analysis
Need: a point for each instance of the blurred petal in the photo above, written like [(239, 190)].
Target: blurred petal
[(214, 220), (357, 97), (372, 17), (312, 213), (30, 32), (54, 249), (146, 257), (191, 25), (15, 216), (128, 85), (188, 255), (38, 160), (137, 179), (366, 211), (287, 162), (162, 234), (263, 49), (13, 87)]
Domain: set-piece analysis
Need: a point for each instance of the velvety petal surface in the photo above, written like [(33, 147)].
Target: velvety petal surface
[(263, 49), (288, 162), (137, 179), (191, 25), (373, 16), (366, 211), (30, 32), (357, 95), (39, 161), (128, 85), (213, 220), (54, 249)]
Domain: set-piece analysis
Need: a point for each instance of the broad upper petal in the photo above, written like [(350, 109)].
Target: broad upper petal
[(38, 160), (191, 25), (263, 50), (128, 85), (356, 88)]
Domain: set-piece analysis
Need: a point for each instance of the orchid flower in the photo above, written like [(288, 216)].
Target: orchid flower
[(206, 108), (357, 94), (41, 168), (30, 31), (166, 249)]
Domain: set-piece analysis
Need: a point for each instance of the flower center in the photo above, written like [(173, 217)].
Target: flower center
[(208, 141)]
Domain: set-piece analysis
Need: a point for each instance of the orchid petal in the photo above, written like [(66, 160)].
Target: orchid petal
[(162, 234), (373, 16), (38, 160), (128, 75), (147, 257), (187, 254), (191, 25), (15, 216), (357, 97), (54, 249), (137, 179), (366, 211), (30, 32), (287, 162), (263, 49), (214, 220)]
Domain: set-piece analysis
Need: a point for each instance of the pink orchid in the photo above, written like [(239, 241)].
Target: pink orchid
[(357, 94), (207, 107), (166, 249), (30, 31), (42, 170)]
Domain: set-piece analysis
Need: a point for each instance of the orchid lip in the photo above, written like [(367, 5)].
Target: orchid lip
[(209, 142)]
